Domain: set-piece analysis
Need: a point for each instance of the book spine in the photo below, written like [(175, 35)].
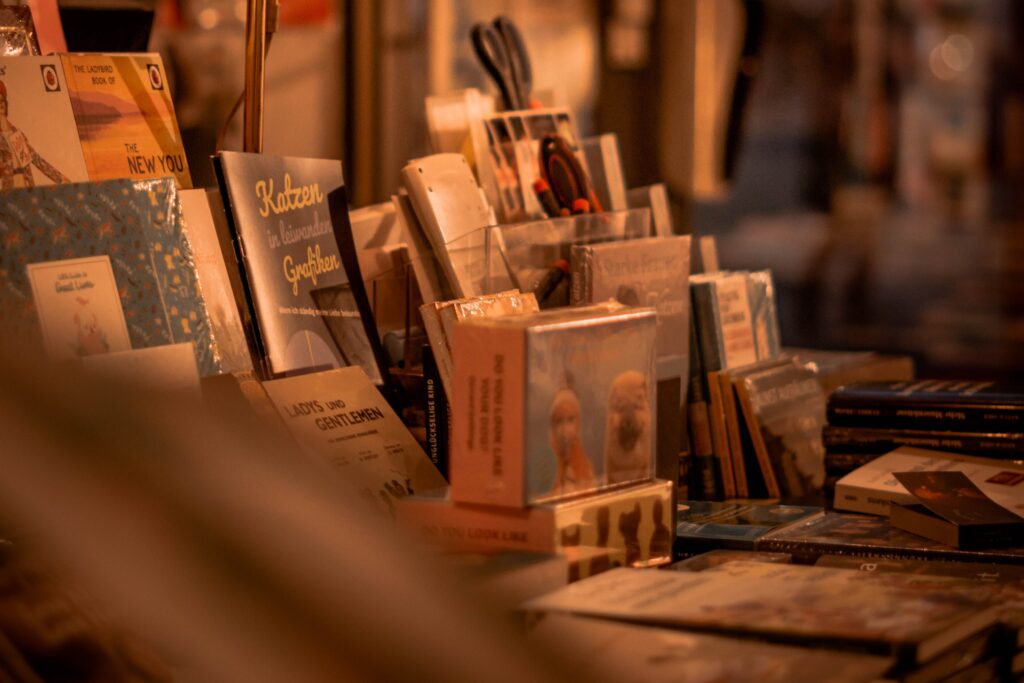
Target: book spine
[(805, 552), (867, 500), (732, 430), (704, 313), (468, 528), (703, 479), (488, 463), (909, 414), (716, 411), (764, 459), (436, 404), (867, 440)]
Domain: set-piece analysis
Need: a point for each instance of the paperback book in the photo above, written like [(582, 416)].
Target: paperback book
[(306, 302), (708, 525), (721, 308)]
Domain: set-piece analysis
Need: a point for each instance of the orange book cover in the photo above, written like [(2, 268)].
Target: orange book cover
[(125, 117)]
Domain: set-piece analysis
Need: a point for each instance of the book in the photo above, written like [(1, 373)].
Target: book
[(705, 474), (839, 368), (764, 314), (702, 526), (784, 409), (951, 509), (905, 616), (655, 198), (211, 270), (341, 417), (125, 116), (438, 418), (871, 488), (856, 535), (632, 652), (552, 404), (930, 404), (721, 307), (641, 272), (604, 164), (713, 558), (40, 143), (137, 288), (877, 441), (301, 296), (988, 573), (732, 486), (630, 526)]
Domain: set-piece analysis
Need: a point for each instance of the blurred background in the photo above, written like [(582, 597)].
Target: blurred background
[(871, 152)]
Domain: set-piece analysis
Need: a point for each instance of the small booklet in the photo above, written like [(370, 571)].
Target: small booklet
[(951, 509)]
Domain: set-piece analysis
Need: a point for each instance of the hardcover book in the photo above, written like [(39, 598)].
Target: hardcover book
[(707, 525), (341, 417), (644, 272), (302, 296), (912, 618), (839, 533), (125, 116), (873, 487), (629, 526), (630, 652), (552, 404), (721, 307), (39, 143), (133, 226), (869, 440), (932, 404), (951, 509), (764, 314)]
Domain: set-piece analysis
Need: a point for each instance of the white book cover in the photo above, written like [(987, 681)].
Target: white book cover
[(872, 488)]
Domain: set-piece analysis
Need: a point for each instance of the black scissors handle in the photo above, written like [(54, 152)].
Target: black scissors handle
[(565, 173), (518, 57), (490, 49)]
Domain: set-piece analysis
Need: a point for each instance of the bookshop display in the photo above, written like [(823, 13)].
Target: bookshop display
[(530, 369)]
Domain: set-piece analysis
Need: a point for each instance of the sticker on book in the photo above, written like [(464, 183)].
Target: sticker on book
[(79, 308), (50, 81)]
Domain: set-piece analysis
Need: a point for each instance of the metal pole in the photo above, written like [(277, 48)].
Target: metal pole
[(255, 64)]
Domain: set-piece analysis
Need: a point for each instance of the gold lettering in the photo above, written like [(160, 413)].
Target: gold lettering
[(314, 266), (289, 198)]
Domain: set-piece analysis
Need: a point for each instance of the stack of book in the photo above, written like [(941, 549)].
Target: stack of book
[(862, 625), (552, 445), (867, 420)]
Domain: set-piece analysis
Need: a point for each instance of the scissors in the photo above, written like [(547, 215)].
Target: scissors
[(499, 47), (565, 174)]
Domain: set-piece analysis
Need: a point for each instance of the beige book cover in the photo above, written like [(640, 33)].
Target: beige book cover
[(39, 142), (339, 415), (125, 117)]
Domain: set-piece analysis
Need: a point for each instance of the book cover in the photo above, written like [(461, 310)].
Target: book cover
[(848, 534), (870, 440), (642, 272), (300, 293), (913, 618), (764, 315), (720, 437), (713, 558), (341, 417), (951, 509), (125, 116), (930, 404), (630, 526), (721, 305), (631, 652), (710, 525), (552, 404), (704, 477), (872, 488), (39, 143), (137, 225), (787, 408)]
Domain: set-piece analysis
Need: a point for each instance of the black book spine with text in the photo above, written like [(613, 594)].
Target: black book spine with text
[(871, 440), (437, 415)]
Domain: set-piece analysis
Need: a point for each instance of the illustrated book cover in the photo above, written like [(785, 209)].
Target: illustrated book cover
[(855, 535), (125, 116), (39, 143), (872, 487), (951, 509), (341, 417), (710, 525), (131, 229), (725, 328), (302, 297), (910, 617), (552, 404)]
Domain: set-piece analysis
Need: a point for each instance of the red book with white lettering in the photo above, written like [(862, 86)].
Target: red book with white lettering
[(306, 296)]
